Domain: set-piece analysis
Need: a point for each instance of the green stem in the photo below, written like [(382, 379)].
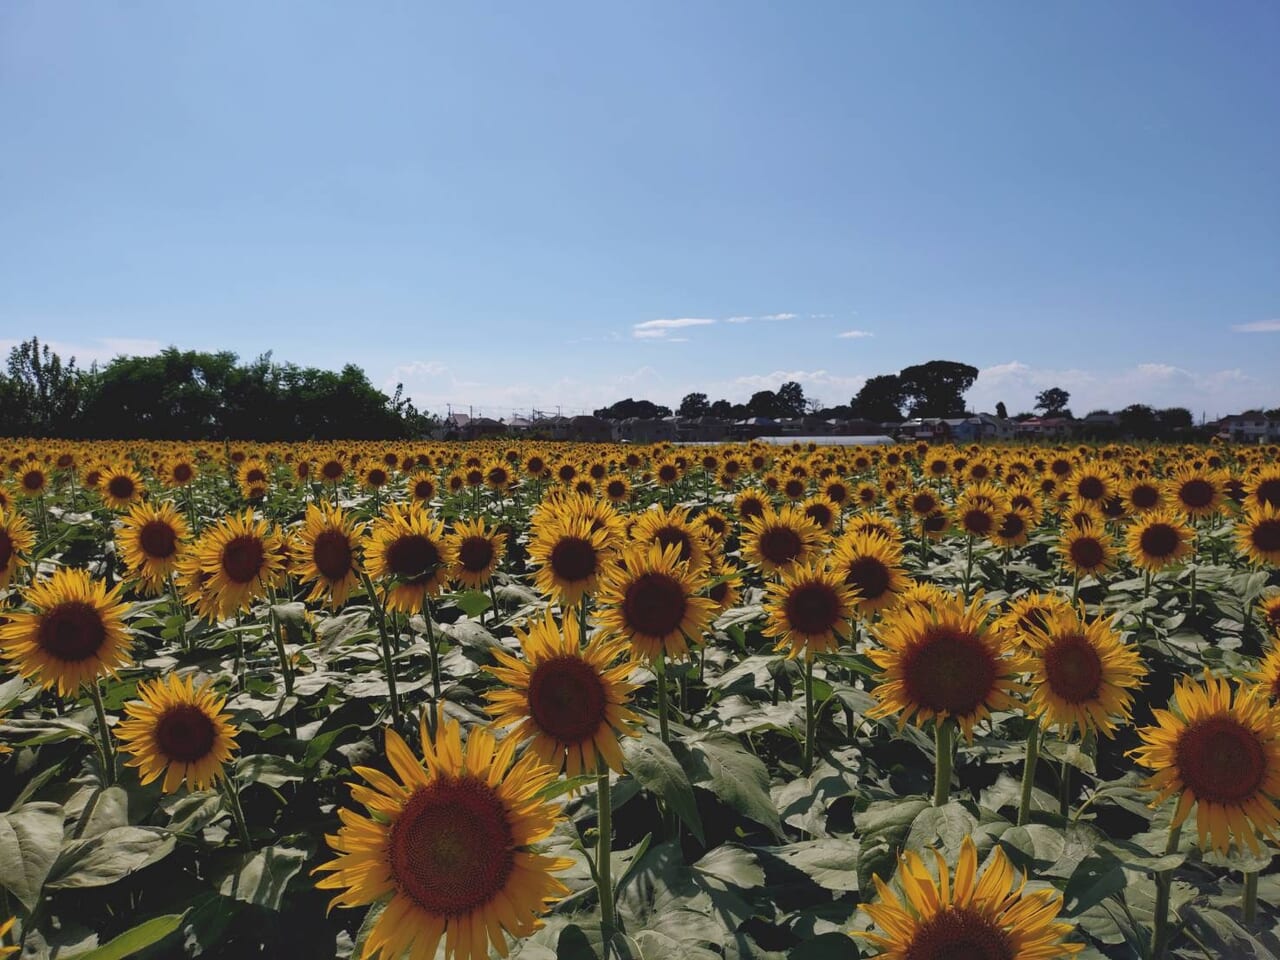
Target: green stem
[(1029, 773), (809, 724), (435, 654), (1164, 887), (1250, 901), (660, 671), (1064, 789), (387, 666), (604, 845), (1192, 603), (104, 732), (968, 565), (1146, 593), (231, 791), (286, 669), (942, 739)]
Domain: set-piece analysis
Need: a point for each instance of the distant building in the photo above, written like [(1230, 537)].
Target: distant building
[(638, 430), (1252, 426)]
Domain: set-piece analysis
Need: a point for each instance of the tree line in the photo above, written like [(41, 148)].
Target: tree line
[(193, 395)]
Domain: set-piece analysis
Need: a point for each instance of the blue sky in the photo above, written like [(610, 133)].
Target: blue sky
[(495, 202)]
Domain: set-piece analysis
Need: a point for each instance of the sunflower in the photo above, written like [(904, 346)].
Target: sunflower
[(942, 661), (778, 539), (1030, 612), (422, 488), (1267, 674), (985, 917), (724, 584), (1195, 492), (241, 557), (252, 475), (4, 930), (1090, 483), (32, 481), (923, 502), (374, 477), (672, 528), (806, 609), (1013, 526), (1086, 550), (151, 541), (570, 554), (935, 526), (1081, 673), (450, 844), (821, 511), (119, 486), (178, 472), (75, 635), (16, 538), (332, 470), (178, 730), (571, 699), (667, 472), (325, 554), (476, 550), (871, 566), (977, 512), (1157, 539), (617, 488), (712, 525), (1269, 613), (1264, 488), (1258, 535), (408, 548), (750, 503), (653, 600), (1221, 757)]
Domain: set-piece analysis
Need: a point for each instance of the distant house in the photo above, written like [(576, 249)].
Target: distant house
[(1045, 427), (1252, 426), (925, 428), (857, 428), (639, 430), (591, 429), (477, 427), (702, 429)]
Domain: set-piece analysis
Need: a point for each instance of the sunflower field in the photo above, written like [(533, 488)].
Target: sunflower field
[(572, 701)]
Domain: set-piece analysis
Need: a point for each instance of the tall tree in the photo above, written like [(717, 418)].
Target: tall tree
[(880, 400), (1053, 401), (41, 396), (764, 403), (791, 399), (937, 388), (693, 405), (1002, 411)]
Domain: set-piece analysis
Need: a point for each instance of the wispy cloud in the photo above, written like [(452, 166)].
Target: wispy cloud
[(659, 329), (738, 319), (855, 334), (780, 316), (1260, 326)]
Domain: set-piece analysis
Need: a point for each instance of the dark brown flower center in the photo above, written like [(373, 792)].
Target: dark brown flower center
[(1196, 494), (573, 559), (654, 605), (567, 699), (71, 631), (750, 507), (332, 554), (672, 536), (242, 559), (1012, 526), (1091, 488), (959, 933), (120, 487), (158, 540), (33, 480), (780, 545), (615, 489), (949, 670), (923, 503), (255, 475), (1073, 668), (475, 554), (794, 488), (451, 848), (1268, 492), (377, 477), (1087, 552), (1221, 760), (667, 473), (331, 470), (184, 734), (182, 472), (812, 608), (1265, 535), (977, 522), (424, 490), (820, 514), (869, 576), (1160, 540), (6, 548), (413, 558)]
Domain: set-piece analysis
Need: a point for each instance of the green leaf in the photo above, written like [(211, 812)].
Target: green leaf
[(473, 603), (883, 828), (320, 745), (267, 769), (144, 935), (738, 778), (830, 863), (827, 946), (104, 859), (1096, 879), (656, 769), (262, 877), (30, 838)]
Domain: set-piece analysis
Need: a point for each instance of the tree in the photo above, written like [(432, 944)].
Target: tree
[(628, 408), (1138, 420), (41, 396), (936, 388), (791, 399), (693, 405), (1001, 411), (1053, 401), (1175, 419), (879, 400), (764, 403), (722, 409)]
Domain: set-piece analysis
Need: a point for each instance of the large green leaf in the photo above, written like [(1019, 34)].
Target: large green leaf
[(105, 858), (146, 934), (720, 763), (883, 829), (30, 838), (831, 863), (262, 877), (655, 767)]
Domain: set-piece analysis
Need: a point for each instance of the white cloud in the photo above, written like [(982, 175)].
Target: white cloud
[(658, 329), (779, 316), (1215, 393), (1260, 326), (101, 351), (738, 319), (855, 334)]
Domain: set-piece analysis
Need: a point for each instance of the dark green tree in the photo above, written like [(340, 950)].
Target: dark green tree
[(694, 405), (1053, 401), (937, 388), (879, 400)]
